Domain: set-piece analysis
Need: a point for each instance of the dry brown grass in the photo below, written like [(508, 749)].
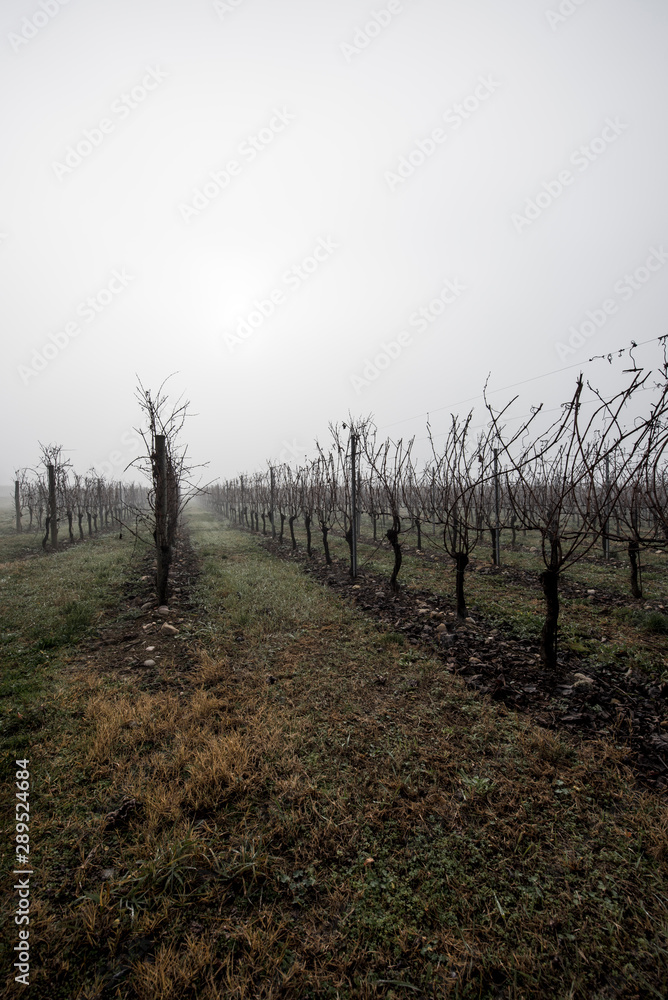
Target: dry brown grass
[(324, 835)]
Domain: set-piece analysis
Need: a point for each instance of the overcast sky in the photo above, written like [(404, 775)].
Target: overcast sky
[(305, 208)]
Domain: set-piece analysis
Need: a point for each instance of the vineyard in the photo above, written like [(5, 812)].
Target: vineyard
[(580, 485), (372, 725), (54, 493)]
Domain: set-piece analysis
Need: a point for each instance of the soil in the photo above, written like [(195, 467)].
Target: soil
[(121, 645), (583, 699), (612, 701)]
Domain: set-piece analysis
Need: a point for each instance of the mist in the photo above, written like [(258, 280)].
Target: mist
[(304, 210)]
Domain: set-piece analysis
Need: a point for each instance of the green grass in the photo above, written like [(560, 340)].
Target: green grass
[(50, 601), (517, 604), (46, 605), (301, 830)]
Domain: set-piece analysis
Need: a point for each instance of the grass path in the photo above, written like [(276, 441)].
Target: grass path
[(292, 804), (513, 598)]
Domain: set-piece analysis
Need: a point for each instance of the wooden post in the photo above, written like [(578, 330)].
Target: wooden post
[(99, 503), (53, 510), (271, 509), (353, 504), (359, 512), (497, 513), (17, 506), (161, 518), (606, 525)]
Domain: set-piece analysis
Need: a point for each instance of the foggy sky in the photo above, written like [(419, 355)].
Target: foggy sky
[(310, 208)]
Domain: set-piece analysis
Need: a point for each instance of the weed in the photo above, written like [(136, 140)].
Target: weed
[(656, 622), (392, 639)]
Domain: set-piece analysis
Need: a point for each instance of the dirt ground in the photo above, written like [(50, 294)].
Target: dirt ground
[(613, 700)]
